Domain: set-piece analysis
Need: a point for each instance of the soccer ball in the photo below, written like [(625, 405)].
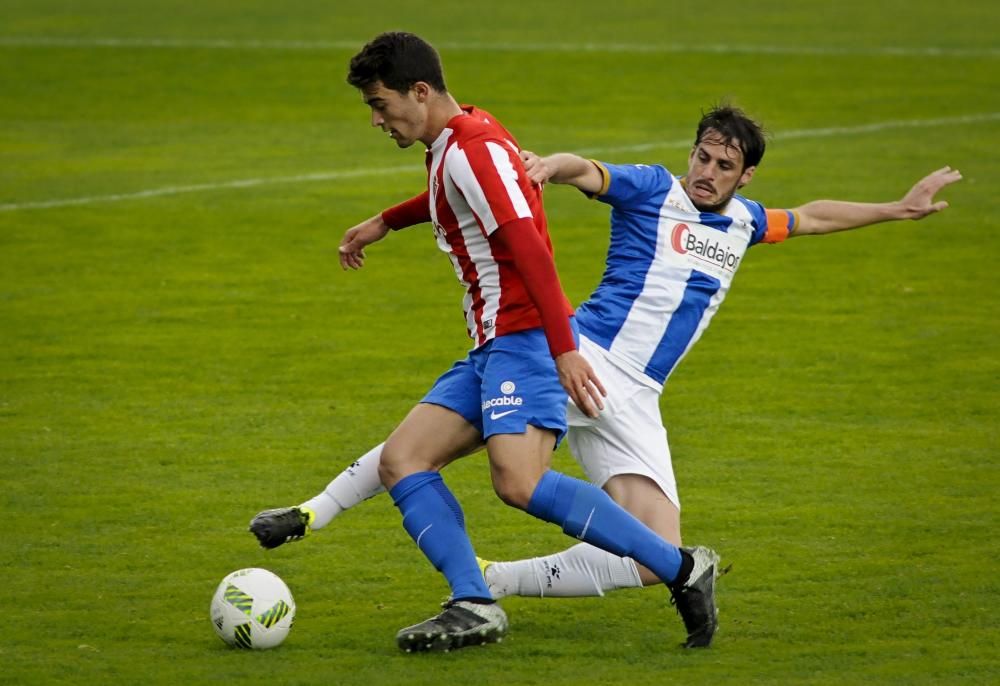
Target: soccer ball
[(252, 608)]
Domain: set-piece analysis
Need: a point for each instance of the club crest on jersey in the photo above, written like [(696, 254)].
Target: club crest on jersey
[(704, 249)]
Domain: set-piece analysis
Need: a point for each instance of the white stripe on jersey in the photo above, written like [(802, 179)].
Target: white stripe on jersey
[(458, 169), (662, 292), (432, 174), (476, 245), (739, 212), (740, 215), (442, 241), (509, 176), (735, 209)]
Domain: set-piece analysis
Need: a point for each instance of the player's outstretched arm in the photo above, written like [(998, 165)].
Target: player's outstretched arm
[(565, 168), (352, 245), (828, 216)]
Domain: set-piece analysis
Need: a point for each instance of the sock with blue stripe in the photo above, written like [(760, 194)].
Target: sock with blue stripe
[(434, 520), (589, 514)]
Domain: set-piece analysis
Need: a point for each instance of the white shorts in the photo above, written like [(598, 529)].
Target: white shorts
[(629, 436)]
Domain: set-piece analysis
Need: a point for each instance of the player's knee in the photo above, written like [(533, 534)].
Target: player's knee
[(393, 465), (386, 473), (515, 490)]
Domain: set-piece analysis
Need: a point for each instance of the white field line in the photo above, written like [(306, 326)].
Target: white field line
[(205, 187), (458, 46), (827, 132)]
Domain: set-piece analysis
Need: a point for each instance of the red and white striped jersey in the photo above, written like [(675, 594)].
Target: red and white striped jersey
[(477, 183)]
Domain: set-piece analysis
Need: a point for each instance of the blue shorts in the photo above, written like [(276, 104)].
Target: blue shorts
[(504, 385)]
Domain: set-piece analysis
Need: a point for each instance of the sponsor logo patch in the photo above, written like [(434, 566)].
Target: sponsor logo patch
[(704, 249), (502, 401)]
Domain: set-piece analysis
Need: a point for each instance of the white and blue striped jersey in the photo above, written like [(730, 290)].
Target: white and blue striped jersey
[(669, 267)]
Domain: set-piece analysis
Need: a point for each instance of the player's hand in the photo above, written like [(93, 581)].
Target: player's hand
[(537, 168), (581, 383), (919, 202), (352, 245)]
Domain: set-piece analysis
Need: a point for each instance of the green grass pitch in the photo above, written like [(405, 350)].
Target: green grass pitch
[(179, 349)]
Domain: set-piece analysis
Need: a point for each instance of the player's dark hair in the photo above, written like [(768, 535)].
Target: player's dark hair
[(398, 60), (734, 125)]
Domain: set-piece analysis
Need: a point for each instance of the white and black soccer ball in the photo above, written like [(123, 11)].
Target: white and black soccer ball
[(252, 608)]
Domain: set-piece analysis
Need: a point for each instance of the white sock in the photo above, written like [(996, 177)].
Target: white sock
[(582, 570), (357, 483)]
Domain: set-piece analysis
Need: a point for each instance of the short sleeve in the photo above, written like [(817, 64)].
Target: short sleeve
[(629, 184)]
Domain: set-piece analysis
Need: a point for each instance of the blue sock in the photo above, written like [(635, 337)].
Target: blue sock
[(434, 519), (589, 514)]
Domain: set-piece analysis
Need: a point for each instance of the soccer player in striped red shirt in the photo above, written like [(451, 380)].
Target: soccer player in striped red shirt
[(488, 218)]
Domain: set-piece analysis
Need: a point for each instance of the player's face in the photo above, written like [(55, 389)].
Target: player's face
[(402, 116), (715, 172)]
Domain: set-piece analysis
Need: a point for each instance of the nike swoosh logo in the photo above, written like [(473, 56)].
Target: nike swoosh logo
[(494, 415), (583, 532)]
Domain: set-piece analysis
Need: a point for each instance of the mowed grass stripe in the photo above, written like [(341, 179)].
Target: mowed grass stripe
[(825, 132), (472, 46)]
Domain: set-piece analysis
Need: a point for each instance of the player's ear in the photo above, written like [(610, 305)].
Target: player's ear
[(746, 176), (421, 91)]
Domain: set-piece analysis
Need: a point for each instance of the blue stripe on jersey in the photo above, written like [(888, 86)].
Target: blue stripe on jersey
[(715, 221), (631, 250), (683, 325)]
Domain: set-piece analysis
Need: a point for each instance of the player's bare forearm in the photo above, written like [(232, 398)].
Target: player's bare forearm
[(352, 245), (575, 171), (829, 216), (563, 168)]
